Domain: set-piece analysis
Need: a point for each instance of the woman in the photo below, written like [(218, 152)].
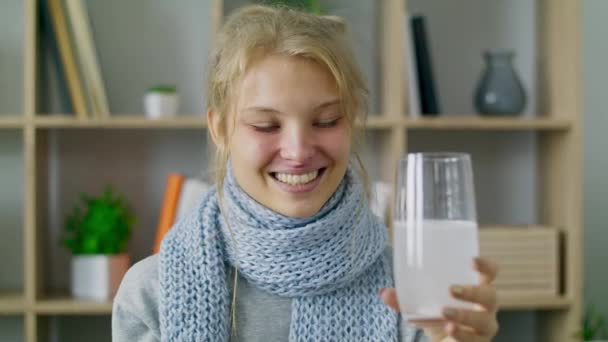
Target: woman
[(285, 246)]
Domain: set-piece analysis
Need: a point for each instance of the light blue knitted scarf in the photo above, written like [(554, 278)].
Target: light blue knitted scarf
[(331, 264)]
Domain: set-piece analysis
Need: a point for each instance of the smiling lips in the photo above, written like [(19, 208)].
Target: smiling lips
[(298, 182), (292, 179)]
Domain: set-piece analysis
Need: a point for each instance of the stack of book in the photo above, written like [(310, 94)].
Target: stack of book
[(182, 194), (422, 94), (66, 29)]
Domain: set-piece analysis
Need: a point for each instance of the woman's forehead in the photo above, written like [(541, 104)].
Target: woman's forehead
[(284, 78)]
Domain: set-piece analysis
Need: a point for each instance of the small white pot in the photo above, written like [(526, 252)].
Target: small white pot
[(160, 105), (97, 277)]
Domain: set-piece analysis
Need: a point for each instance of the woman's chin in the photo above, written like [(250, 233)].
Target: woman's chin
[(298, 200), (298, 210)]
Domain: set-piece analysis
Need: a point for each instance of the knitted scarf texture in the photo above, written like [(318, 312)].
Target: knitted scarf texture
[(331, 264)]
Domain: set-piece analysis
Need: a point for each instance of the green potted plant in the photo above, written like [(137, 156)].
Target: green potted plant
[(594, 326), (97, 235), (161, 101)]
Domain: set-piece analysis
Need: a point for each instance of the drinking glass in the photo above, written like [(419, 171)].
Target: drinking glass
[(435, 235)]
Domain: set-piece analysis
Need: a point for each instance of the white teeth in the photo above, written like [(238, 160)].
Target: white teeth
[(297, 179)]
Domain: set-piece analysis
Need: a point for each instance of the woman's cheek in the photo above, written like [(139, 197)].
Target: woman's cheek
[(255, 149), (337, 144)]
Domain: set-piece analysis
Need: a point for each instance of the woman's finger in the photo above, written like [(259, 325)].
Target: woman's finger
[(484, 295), (482, 322), (487, 269), (389, 296), (461, 333)]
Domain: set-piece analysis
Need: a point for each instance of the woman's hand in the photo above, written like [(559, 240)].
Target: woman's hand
[(462, 325)]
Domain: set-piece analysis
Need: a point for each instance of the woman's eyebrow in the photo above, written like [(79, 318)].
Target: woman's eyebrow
[(329, 103), (262, 109), (270, 110)]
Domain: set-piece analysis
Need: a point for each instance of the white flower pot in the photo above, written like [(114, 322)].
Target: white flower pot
[(160, 105), (97, 277)]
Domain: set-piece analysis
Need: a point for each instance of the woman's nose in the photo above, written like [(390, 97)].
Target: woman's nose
[(297, 144)]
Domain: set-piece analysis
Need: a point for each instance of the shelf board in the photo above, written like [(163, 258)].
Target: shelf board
[(533, 302), (121, 122), (12, 121), (65, 305), (180, 122), (383, 122), (11, 302), (475, 122)]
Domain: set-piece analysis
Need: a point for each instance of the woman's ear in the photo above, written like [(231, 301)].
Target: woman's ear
[(214, 126)]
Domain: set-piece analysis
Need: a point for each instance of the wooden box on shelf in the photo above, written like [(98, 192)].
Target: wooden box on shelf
[(527, 256)]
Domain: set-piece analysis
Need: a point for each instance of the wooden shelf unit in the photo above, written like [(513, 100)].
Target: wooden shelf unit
[(139, 121), (65, 305), (535, 303), (559, 164), (441, 123), (12, 302), (120, 122), (12, 122), (487, 123)]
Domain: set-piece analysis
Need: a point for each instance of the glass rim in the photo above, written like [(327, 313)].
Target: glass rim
[(447, 156)]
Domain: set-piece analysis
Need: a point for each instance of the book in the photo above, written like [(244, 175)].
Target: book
[(182, 195), (87, 57), (168, 207), (66, 52), (52, 49), (412, 69), (426, 81)]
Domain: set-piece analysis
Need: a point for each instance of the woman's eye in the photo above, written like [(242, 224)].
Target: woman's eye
[(327, 124), (266, 128)]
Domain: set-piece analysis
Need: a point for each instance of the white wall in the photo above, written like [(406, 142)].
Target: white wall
[(595, 74)]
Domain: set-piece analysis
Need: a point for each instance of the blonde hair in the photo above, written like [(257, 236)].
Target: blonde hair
[(253, 32)]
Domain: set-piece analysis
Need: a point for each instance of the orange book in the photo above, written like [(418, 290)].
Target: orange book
[(169, 207)]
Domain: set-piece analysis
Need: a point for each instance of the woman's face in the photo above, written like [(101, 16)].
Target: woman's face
[(291, 141)]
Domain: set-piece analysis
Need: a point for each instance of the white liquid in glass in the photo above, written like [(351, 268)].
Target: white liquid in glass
[(429, 257)]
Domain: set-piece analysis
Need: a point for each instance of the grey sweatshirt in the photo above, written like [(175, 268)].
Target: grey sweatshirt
[(260, 316)]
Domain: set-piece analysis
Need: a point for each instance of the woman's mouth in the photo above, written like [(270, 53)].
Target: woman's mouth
[(298, 182)]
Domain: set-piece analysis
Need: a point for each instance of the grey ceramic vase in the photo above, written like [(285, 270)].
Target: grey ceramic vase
[(500, 91)]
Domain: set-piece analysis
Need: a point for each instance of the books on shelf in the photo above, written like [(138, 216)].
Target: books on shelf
[(182, 194), (51, 47), (77, 62), (422, 92), (66, 53), (87, 57), (412, 70)]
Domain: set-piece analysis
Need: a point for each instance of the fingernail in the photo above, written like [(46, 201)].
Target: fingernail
[(449, 313), (457, 290)]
